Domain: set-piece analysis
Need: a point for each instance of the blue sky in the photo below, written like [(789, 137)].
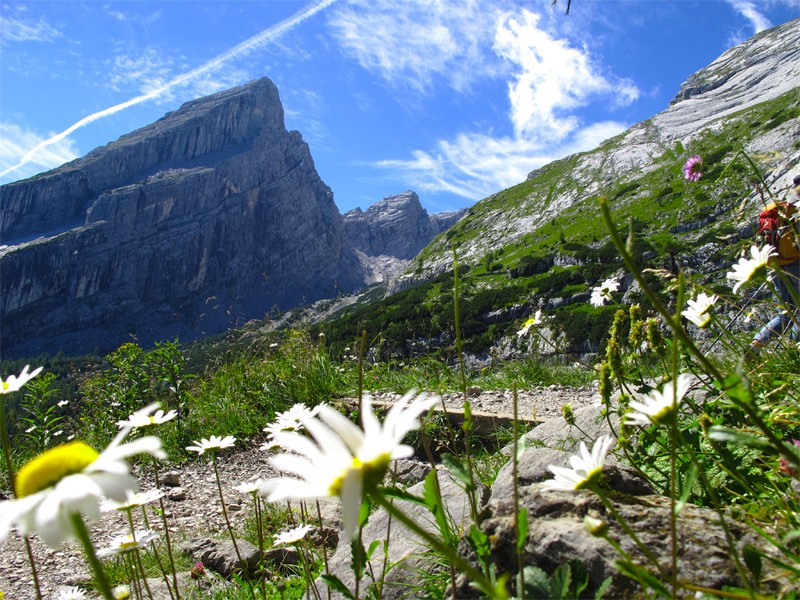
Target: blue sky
[(455, 99)]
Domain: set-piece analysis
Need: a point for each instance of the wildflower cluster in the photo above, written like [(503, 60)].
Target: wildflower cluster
[(602, 293), (339, 459), (70, 480)]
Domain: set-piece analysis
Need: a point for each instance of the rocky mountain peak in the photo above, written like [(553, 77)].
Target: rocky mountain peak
[(211, 216), (765, 66), (396, 226)]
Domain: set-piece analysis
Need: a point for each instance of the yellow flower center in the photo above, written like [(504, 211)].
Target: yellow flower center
[(375, 471), (52, 466), (593, 476), (372, 473), (128, 545)]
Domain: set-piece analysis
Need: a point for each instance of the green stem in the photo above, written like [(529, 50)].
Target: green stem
[(438, 545), (673, 517), (136, 585), (166, 533), (675, 325), (228, 521), (138, 562), (721, 593), (324, 546), (627, 528), (473, 504), (79, 527), (361, 349), (32, 563), (7, 448), (260, 529), (225, 510), (673, 434), (305, 553)]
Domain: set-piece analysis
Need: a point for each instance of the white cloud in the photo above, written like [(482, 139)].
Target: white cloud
[(417, 45), (474, 166), (146, 70), (129, 17), (150, 70), (16, 25), (551, 78), (16, 141), (749, 11), (549, 81)]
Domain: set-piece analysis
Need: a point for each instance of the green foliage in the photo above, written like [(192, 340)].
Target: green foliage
[(568, 581), (115, 393), (44, 414)]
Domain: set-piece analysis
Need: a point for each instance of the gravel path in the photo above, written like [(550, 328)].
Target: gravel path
[(194, 509)]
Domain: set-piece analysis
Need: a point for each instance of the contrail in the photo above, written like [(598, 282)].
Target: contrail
[(246, 46)]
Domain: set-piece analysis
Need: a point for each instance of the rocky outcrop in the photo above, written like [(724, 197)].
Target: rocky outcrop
[(557, 533), (391, 232), (396, 226), (205, 219), (405, 551)]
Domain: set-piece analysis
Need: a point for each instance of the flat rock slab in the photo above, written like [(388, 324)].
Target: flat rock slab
[(404, 547)]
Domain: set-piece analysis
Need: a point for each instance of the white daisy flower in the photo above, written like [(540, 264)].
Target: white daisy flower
[(603, 292), (342, 460), (290, 420), (269, 446), (657, 406), (70, 479), (747, 268), (70, 593), (248, 487), (132, 500), (15, 382), (698, 311), (292, 536), (534, 320), (142, 419), (121, 592), (586, 468), (215, 442), (129, 542)]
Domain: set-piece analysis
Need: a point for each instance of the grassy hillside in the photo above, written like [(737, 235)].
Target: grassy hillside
[(552, 264)]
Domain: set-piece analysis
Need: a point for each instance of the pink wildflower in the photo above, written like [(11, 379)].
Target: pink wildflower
[(692, 169), (785, 467), (198, 570)]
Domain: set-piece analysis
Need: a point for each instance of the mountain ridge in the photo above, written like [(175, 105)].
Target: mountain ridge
[(748, 96), (542, 244), (188, 226), (641, 147), (205, 219)]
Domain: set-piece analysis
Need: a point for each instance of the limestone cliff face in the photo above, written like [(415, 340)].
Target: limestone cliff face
[(391, 232), (396, 226), (207, 218)]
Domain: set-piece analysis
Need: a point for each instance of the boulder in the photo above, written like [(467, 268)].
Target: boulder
[(220, 555), (557, 535), (590, 423)]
